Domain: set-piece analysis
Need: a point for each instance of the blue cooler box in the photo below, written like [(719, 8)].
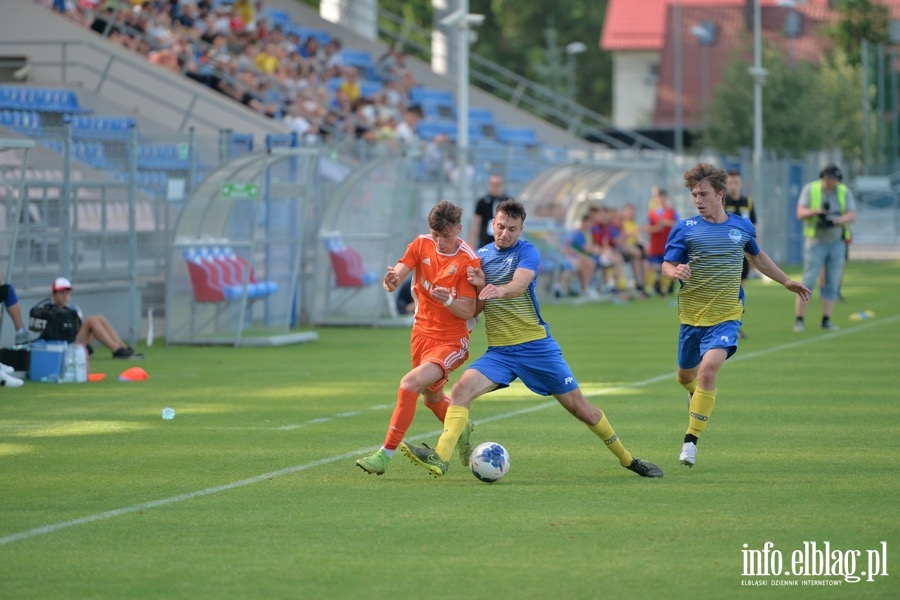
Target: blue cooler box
[(47, 361)]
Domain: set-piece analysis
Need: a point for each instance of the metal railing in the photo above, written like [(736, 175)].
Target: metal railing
[(519, 91)]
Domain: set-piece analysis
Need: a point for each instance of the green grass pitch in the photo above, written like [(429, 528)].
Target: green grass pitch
[(252, 491)]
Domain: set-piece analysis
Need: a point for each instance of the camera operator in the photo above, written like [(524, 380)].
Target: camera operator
[(827, 209)]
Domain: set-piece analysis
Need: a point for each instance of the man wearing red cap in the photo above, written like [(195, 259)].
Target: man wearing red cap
[(57, 319)]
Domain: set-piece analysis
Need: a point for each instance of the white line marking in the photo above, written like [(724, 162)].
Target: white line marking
[(30, 533)]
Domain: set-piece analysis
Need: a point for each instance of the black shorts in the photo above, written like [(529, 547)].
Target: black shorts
[(4, 292)]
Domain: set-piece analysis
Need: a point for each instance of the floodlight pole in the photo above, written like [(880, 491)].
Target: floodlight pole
[(679, 122), (463, 22), (759, 79)]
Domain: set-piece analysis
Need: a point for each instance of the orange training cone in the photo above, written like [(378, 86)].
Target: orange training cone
[(96, 376), (133, 374)]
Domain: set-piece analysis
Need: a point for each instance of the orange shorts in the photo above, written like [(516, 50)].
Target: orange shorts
[(447, 355)]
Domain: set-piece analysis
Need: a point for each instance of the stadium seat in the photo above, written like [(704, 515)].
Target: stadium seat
[(350, 275), (105, 127), (289, 140), (418, 95), (217, 275), (241, 143), (428, 129), (360, 59), (517, 136)]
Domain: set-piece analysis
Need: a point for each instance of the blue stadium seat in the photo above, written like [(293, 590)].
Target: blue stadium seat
[(517, 136), (109, 128), (169, 157), (274, 140), (241, 143), (357, 58), (418, 95), (438, 109), (368, 87), (428, 129), (277, 17), (481, 116), (28, 122), (304, 33), (47, 100)]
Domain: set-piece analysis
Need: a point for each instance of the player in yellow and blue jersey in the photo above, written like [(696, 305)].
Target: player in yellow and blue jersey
[(519, 346), (706, 253)]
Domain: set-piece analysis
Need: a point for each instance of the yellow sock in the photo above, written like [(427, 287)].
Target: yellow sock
[(604, 431), (690, 387), (701, 407), (454, 423)]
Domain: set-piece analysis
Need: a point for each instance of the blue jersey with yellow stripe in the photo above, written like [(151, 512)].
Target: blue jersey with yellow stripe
[(715, 252), (511, 321)]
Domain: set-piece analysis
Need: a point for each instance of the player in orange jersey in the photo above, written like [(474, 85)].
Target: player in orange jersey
[(439, 344)]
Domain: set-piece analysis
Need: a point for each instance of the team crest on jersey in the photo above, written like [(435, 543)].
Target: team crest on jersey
[(452, 269), (735, 235)]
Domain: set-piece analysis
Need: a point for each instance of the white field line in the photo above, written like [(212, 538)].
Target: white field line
[(53, 527)]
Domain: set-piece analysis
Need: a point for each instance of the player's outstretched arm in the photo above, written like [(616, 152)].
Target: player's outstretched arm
[(767, 267)]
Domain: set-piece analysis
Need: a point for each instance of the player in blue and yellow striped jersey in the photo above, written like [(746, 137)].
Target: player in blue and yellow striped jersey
[(519, 346), (706, 253)]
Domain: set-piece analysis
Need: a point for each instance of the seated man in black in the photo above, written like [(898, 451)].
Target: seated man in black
[(58, 320)]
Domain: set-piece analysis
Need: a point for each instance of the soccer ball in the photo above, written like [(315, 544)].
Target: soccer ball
[(489, 462)]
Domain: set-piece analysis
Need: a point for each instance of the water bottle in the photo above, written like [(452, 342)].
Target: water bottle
[(81, 363), (69, 367)]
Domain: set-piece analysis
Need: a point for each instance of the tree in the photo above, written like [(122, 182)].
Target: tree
[(806, 107), (859, 20), (513, 35)]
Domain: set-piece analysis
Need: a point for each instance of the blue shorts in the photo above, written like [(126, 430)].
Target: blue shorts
[(694, 342), (539, 364)]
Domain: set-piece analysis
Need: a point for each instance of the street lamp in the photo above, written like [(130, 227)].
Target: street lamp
[(705, 36), (571, 50)]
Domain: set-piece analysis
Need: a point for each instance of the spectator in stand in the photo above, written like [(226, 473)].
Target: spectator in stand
[(187, 14), (331, 59), (364, 120), (395, 96), (296, 121), (391, 66), (350, 84), (310, 48), (245, 11), (407, 128), (660, 220), (269, 58)]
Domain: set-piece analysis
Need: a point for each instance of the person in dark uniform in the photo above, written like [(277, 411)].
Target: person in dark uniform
[(481, 232), (737, 203)]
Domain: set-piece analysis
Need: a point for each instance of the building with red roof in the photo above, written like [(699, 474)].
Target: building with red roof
[(645, 37)]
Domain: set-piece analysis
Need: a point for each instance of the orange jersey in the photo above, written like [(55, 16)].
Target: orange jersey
[(433, 269)]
